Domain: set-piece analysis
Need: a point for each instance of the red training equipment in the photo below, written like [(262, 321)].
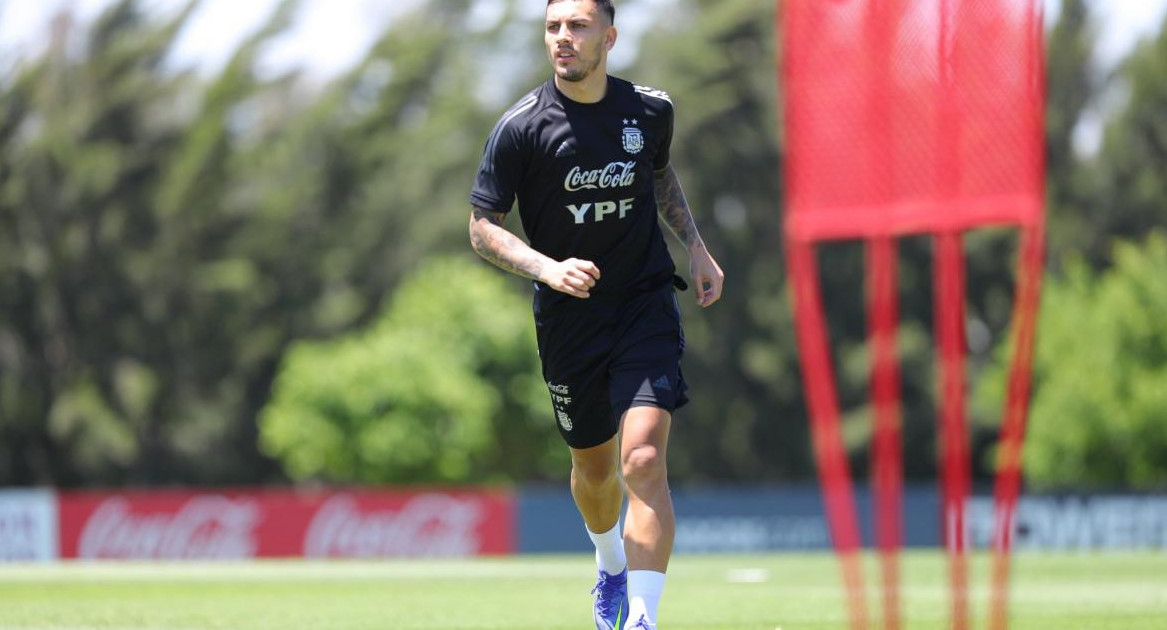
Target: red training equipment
[(908, 117)]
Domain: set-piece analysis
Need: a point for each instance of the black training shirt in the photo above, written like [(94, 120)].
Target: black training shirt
[(583, 176)]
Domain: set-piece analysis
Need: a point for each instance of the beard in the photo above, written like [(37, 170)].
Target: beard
[(586, 68), (579, 74)]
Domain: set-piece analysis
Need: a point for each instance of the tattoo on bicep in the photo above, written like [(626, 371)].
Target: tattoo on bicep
[(673, 208), (498, 245)]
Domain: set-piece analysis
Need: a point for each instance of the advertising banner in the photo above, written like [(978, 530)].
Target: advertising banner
[(1078, 522), (267, 524), (28, 526), (748, 519)]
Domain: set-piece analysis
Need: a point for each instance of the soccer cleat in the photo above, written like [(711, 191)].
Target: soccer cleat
[(642, 624), (611, 609)]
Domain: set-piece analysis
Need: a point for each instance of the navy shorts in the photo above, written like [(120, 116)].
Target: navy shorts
[(602, 359)]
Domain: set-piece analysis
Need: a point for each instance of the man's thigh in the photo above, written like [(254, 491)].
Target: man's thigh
[(645, 370), (575, 350)]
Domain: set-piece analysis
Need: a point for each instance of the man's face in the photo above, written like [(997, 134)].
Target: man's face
[(578, 37)]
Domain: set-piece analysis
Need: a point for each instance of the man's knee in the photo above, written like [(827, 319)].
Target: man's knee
[(595, 467), (644, 463), (594, 475)]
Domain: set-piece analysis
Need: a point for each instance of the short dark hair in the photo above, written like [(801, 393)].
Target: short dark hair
[(604, 5)]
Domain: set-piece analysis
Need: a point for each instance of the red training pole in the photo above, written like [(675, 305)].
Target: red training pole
[(1013, 424), (1030, 265), (830, 453), (955, 466), (887, 478)]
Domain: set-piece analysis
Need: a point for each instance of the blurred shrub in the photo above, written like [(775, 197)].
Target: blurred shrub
[(444, 387), (1099, 411)]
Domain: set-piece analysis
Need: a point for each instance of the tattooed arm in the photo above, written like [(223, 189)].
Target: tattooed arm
[(495, 243), (674, 210)]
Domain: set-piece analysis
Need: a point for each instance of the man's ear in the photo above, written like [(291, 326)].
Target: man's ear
[(610, 38)]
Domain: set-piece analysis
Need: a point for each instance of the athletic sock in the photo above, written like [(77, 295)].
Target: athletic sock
[(644, 591), (609, 550)]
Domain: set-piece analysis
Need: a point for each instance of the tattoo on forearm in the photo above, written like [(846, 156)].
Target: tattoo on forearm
[(673, 208), (499, 246)]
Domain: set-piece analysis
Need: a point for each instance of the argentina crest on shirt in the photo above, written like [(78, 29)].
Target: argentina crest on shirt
[(633, 137)]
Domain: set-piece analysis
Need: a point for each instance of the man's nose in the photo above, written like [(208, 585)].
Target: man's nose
[(562, 33)]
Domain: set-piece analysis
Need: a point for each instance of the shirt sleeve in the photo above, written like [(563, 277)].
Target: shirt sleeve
[(500, 172), (661, 159)]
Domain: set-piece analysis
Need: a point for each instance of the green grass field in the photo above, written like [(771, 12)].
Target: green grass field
[(761, 592)]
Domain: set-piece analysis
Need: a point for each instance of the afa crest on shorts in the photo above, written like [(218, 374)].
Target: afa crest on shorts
[(633, 137)]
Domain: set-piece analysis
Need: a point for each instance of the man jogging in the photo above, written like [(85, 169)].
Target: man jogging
[(587, 157)]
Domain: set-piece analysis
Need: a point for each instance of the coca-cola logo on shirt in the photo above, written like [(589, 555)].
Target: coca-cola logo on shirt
[(427, 525), (614, 175), (206, 526)]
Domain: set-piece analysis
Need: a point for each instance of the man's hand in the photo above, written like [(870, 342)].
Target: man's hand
[(706, 274), (573, 276), (493, 242)]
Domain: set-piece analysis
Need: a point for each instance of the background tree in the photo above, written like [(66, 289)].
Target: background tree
[(1133, 157), (1073, 87), (167, 237), (442, 387), (1097, 417), (85, 374), (170, 242), (740, 355)]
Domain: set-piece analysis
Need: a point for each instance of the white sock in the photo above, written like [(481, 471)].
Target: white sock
[(609, 550), (644, 591)]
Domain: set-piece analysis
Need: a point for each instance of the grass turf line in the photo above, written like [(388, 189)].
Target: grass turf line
[(1095, 591)]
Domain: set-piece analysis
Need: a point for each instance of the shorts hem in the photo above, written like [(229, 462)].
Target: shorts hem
[(647, 403)]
